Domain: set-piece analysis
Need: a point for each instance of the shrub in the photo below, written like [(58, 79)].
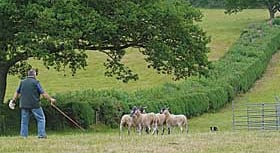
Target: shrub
[(235, 73)]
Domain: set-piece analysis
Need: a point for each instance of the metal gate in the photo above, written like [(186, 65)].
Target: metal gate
[(256, 116)]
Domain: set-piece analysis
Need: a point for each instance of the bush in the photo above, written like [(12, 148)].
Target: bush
[(276, 21), (108, 110), (235, 73)]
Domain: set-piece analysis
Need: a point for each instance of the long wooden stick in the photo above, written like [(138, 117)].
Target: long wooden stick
[(75, 123)]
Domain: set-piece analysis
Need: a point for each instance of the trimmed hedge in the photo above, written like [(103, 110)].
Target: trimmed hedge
[(235, 73)]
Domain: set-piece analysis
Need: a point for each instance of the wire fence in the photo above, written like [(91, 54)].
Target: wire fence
[(256, 116)]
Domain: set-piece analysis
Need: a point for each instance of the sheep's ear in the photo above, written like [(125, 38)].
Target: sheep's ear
[(134, 108)]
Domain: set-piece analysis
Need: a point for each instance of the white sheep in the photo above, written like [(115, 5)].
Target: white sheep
[(161, 120), (175, 120), (126, 121), (147, 121)]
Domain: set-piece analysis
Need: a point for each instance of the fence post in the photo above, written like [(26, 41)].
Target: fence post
[(277, 115), (248, 117), (96, 116), (233, 117), (263, 116)]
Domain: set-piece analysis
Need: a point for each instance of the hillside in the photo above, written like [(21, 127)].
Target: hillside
[(223, 35), (264, 90), (199, 138)]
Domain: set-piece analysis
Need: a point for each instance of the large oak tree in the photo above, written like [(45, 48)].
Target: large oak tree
[(233, 6), (58, 32)]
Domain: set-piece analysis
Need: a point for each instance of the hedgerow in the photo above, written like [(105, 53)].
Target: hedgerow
[(234, 73)]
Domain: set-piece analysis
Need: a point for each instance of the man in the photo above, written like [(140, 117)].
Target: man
[(29, 92)]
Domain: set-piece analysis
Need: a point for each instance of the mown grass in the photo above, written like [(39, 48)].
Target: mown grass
[(219, 142), (225, 29), (93, 76), (263, 91)]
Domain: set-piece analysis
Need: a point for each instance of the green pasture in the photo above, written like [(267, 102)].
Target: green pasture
[(220, 142), (264, 91), (223, 29)]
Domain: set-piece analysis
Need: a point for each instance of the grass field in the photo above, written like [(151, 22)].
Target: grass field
[(263, 91), (224, 31), (221, 142)]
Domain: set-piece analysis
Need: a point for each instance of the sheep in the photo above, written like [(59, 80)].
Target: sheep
[(128, 121), (160, 118), (147, 120), (175, 120)]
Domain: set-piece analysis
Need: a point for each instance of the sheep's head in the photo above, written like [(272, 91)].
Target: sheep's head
[(133, 110), (142, 109), (162, 110), (166, 111), (138, 112)]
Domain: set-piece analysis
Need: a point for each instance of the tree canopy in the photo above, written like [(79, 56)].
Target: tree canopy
[(233, 6), (59, 33), (207, 3)]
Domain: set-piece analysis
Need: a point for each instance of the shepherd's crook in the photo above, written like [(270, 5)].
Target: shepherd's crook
[(77, 125)]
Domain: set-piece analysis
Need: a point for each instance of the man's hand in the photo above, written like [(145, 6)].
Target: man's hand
[(52, 100), (12, 104)]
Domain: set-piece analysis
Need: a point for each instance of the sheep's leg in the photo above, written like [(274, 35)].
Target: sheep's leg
[(157, 131), (128, 130), (162, 130), (168, 128), (140, 129), (148, 129), (187, 129), (155, 128), (181, 127), (137, 129)]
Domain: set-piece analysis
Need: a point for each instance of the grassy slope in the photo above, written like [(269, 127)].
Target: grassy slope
[(224, 30), (264, 90), (93, 76)]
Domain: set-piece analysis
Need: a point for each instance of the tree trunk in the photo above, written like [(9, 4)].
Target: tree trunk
[(3, 82), (271, 14)]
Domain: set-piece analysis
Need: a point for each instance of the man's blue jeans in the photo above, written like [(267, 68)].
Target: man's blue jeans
[(39, 116)]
